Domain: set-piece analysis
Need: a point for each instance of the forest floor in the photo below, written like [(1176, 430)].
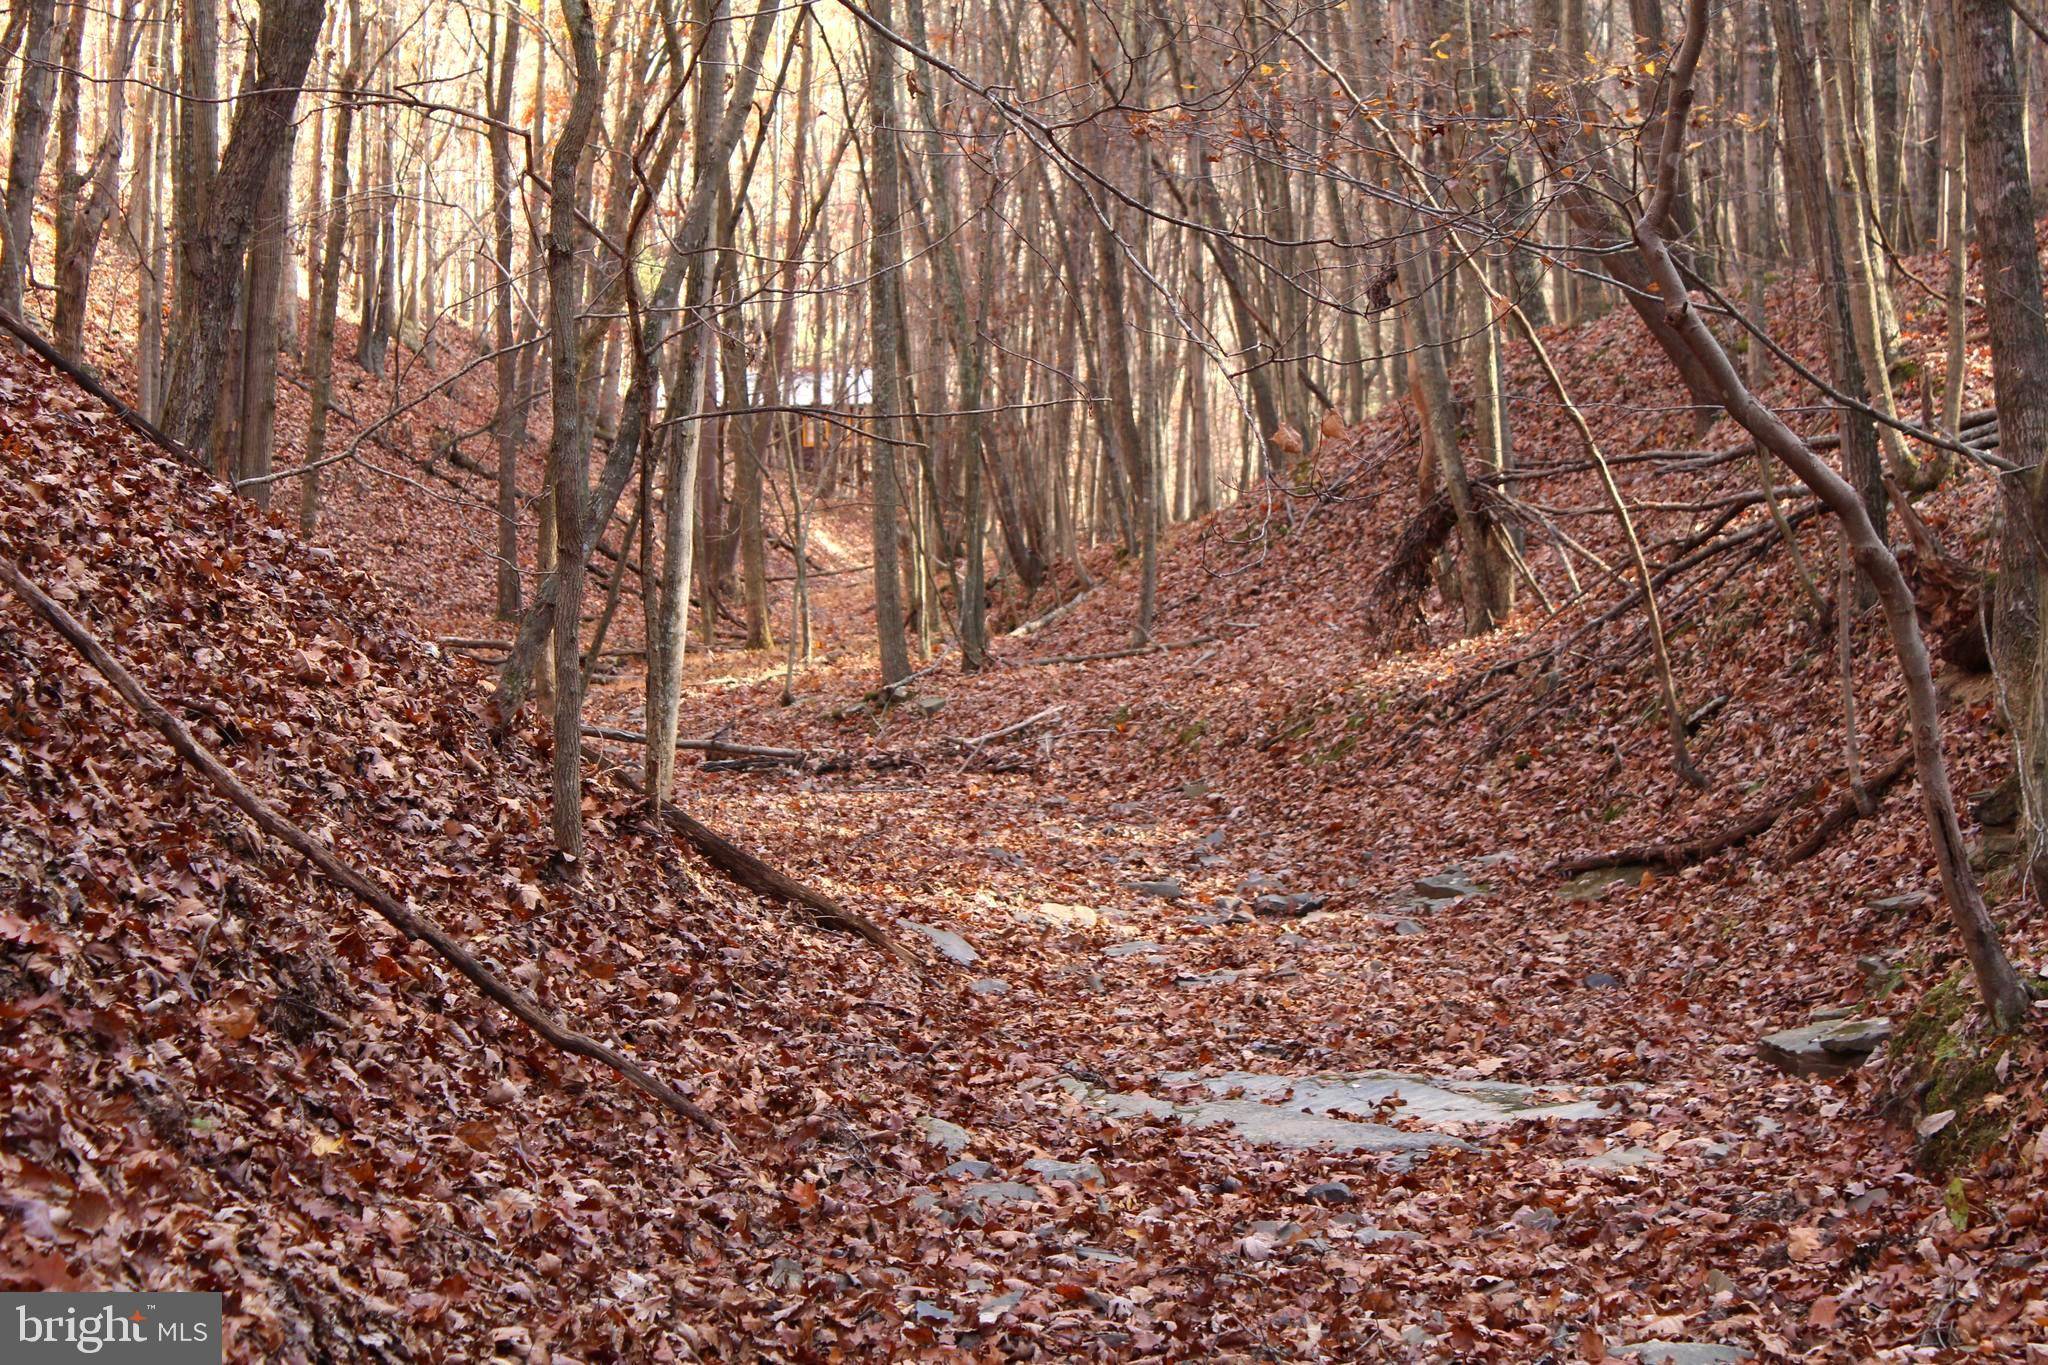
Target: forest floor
[(1255, 1019)]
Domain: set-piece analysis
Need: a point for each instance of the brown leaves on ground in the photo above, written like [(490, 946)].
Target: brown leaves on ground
[(219, 1072)]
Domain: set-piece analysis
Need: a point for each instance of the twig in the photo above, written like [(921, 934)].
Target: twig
[(707, 746), (317, 851), (970, 745)]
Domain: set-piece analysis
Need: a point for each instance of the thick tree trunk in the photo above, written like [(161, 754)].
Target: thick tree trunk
[(88, 196), (885, 287), (32, 107), (569, 439), (2003, 202), (509, 428), (214, 258)]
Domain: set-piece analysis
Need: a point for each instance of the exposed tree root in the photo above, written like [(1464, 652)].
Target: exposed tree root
[(1847, 811), (1675, 853)]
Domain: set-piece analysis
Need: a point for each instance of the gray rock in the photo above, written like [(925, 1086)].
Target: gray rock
[(1827, 1013), (1682, 1353), (990, 985), (1601, 881), (926, 1311), (1293, 906), (1308, 1112), (1221, 919), (1001, 1192), (1193, 981), (1619, 1159), (1448, 885), (1165, 888), (931, 706), (1900, 905), (950, 945), (1536, 1218), (1407, 928), (1602, 980), (1832, 1047), (1078, 1172), (1256, 882), (969, 1168), (950, 1136), (1102, 1254), (993, 1309), (1133, 949), (1331, 1192)]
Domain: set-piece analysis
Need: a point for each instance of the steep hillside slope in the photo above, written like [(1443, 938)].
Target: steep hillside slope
[(223, 1072)]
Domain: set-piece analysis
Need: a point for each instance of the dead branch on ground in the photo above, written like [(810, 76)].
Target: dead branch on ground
[(317, 851)]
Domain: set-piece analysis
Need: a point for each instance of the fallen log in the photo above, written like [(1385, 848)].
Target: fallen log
[(317, 851), (1038, 623), (754, 874), (1131, 652), (706, 746), (1676, 853)]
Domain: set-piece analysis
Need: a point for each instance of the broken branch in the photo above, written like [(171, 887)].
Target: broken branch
[(317, 851)]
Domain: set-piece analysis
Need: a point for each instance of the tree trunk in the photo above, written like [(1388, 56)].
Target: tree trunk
[(509, 427), (32, 107), (885, 319), (2000, 196), (319, 369), (2000, 986), (569, 440), (214, 258)]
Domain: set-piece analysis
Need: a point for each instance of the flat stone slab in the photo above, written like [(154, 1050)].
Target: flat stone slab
[(1832, 1047), (1307, 1112), (953, 947), (1001, 1192), (1078, 1172), (1427, 1099), (941, 1133), (1135, 948), (1682, 1352), (1596, 884), (1618, 1159)]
